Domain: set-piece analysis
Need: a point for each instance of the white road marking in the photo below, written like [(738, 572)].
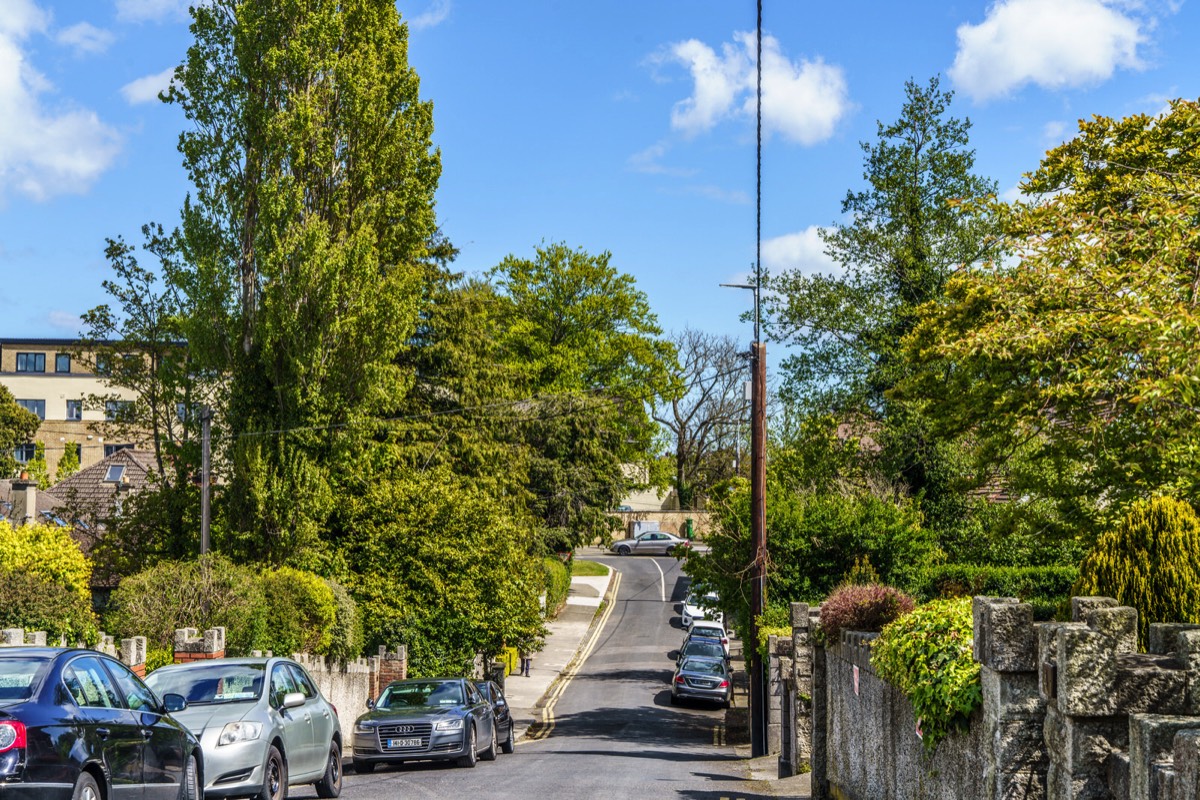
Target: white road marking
[(662, 586)]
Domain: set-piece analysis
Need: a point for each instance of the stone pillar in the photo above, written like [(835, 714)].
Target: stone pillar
[(12, 637), (776, 648), (818, 756), (191, 646), (1014, 713), (133, 653), (393, 666)]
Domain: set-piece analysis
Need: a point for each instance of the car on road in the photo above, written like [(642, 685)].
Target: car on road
[(492, 692), (262, 722), (78, 724), (422, 719), (702, 647), (657, 543), (710, 629), (701, 606), (698, 678)]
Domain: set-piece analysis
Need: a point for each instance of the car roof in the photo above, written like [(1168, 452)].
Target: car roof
[(707, 659)]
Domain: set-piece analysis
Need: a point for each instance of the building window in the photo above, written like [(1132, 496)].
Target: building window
[(109, 449), (62, 362), (75, 409), (101, 365), (115, 473), (24, 453), (31, 362), (116, 409), (36, 406)]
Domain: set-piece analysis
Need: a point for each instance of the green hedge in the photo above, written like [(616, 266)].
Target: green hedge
[(1047, 589), (558, 584)]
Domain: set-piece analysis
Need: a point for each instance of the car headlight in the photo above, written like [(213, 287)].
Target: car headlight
[(364, 727), (449, 725), (239, 732)]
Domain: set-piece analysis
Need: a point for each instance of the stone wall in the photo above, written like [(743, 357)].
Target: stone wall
[(1071, 711)]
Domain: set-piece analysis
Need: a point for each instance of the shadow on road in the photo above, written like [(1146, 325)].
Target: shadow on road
[(660, 725)]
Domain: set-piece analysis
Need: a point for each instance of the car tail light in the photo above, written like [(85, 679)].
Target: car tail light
[(679, 679), (724, 685), (12, 734), (331, 705)]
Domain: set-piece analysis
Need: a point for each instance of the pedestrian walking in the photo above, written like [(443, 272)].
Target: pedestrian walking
[(526, 654)]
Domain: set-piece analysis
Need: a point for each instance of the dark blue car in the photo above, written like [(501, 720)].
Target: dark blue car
[(78, 724)]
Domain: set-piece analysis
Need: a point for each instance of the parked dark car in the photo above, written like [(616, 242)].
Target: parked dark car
[(78, 724), (703, 647), (434, 718), (492, 692), (699, 678)]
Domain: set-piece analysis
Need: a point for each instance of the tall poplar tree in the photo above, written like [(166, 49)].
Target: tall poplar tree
[(314, 174)]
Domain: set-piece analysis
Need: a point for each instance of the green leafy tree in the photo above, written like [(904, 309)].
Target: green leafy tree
[(47, 552), (590, 350), (68, 465), (304, 240), (38, 471), (17, 426), (1078, 353)]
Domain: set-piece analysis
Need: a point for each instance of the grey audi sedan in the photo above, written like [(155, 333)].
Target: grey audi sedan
[(262, 724), (422, 719)]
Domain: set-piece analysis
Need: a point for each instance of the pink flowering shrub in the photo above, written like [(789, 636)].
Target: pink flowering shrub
[(863, 607)]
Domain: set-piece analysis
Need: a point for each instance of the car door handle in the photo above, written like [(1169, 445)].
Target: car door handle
[(103, 733)]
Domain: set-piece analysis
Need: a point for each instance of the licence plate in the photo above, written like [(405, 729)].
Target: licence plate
[(404, 743)]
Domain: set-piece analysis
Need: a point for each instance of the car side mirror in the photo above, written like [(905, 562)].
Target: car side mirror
[(293, 699), (174, 702), (370, 704)]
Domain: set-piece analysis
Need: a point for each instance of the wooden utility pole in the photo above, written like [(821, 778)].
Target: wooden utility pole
[(205, 468), (758, 543)]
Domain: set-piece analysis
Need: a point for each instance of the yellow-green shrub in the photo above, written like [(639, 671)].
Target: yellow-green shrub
[(47, 552), (301, 610), (558, 584), (1151, 562), (927, 654)]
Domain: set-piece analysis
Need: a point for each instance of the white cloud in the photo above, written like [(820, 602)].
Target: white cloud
[(152, 10), (85, 38), (733, 196), (1053, 131), (65, 321), (1064, 43), (43, 151), (649, 161), (802, 100), (802, 251), (146, 89), (436, 14)]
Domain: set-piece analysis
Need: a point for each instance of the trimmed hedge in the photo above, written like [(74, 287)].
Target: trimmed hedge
[(35, 604), (558, 584), (1047, 589)]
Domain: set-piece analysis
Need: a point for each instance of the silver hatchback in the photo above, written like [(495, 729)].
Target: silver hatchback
[(262, 724)]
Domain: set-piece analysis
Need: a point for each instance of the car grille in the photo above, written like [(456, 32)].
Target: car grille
[(422, 730)]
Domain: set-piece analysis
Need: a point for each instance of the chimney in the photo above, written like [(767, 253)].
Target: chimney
[(24, 502)]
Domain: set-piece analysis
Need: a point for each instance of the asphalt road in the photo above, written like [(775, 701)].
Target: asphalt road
[(615, 733)]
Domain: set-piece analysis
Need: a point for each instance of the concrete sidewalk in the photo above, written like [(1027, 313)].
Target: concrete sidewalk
[(567, 633)]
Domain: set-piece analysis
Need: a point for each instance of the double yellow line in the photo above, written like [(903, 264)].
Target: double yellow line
[(541, 730)]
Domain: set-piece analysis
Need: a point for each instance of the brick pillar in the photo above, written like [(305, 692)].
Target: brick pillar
[(190, 646), (133, 654), (393, 666)]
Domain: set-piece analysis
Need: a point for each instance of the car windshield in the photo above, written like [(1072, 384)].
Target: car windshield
[(20, 677), (210, 684), (420, 694), (707, 630), (709, 649), (707, 666)]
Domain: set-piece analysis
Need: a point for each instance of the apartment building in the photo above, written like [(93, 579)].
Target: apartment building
[(46, 377)]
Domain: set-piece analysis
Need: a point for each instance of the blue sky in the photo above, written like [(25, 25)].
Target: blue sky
[(623, 125)]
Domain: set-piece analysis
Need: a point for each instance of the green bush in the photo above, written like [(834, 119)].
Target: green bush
[(159, 657), (30, 602), (1047, 589), (346, 635), (927, 655), (776, 620), (558, 584), (301, 611), (1151, 562), (208, 592), (47, 552)]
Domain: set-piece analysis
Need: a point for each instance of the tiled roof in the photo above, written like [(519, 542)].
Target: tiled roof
[(89, 490), (45, 502)]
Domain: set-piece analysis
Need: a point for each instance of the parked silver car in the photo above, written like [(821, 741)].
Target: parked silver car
[(262, 724), (702, 679), (653, 542), (427, 718)]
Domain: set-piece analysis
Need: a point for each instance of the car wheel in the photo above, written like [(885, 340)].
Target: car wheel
[(86, 788), (275, 779), (364, 767), (623, 550), (330, 784), (471, 757), (490, 753), (190, 788), (508, 746)]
